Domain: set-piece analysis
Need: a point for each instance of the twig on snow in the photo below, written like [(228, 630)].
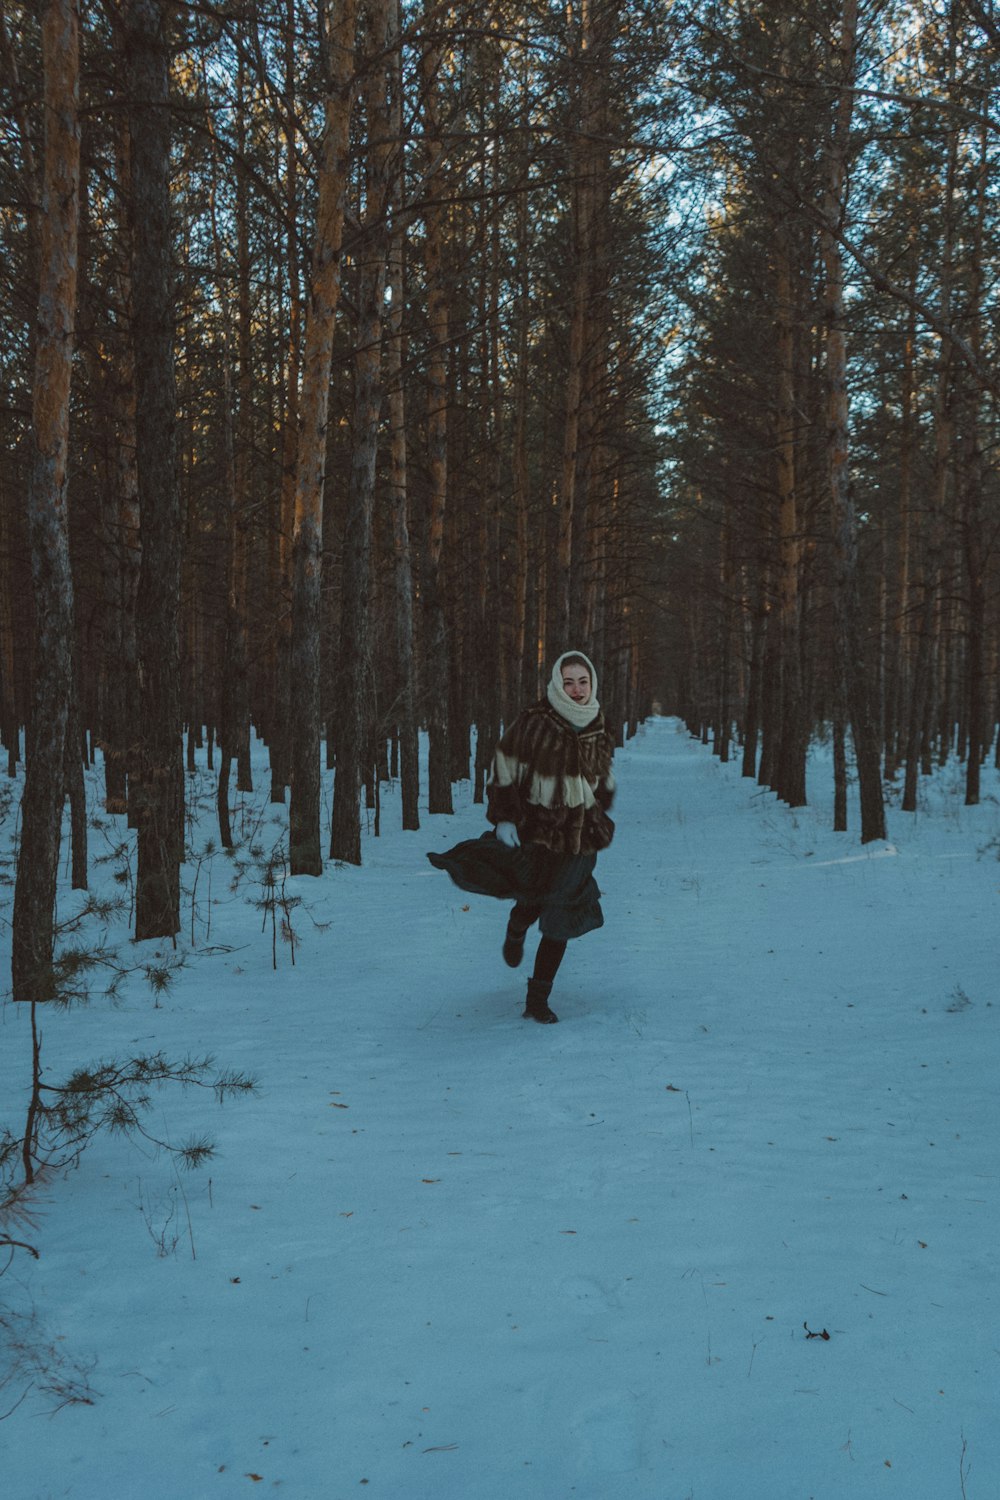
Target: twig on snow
[(963, 1467)]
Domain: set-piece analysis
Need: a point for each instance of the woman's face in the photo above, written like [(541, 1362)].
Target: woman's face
[(576, 683)]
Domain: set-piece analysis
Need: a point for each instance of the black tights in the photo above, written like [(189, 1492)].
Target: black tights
[(550, 951)]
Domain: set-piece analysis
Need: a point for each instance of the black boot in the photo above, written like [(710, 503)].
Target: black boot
[(513, 947), (537, 1007)]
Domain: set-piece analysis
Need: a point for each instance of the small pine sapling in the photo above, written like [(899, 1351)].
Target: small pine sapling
[(113, 1095), (199, 858), (276, 903)]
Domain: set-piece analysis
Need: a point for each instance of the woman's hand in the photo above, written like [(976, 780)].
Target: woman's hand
[(507, 834)]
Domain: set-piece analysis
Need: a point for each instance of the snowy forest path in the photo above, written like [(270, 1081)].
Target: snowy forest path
[(728, 1230), (617, 1231)]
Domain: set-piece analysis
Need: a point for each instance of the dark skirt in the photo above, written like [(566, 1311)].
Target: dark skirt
[(563, 885)]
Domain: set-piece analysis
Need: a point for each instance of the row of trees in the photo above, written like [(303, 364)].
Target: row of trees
[(327, 372), (834, 447), (360, 355)]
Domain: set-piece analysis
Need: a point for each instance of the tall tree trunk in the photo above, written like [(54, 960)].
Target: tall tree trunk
[(851, 643), (233, 694), (122, 544), (305, 856), (76, 795), (242, 466), (974, 549), (406, 714), (488, 638), (574, 396), (119, 515), (279, 727), (758, 629), (437, 650), (159, 794), (971, 525), (521, 646), (790, 767), (722, 715), (44, 790), (355, 706), (900, 667), (594, 483), (9, 706), (922, 699), (588, 185)]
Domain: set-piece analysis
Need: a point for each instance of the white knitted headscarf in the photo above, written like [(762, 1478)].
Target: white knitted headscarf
[(577, 714)]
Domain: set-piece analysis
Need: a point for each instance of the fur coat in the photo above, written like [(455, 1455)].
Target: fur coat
[(553, 782)]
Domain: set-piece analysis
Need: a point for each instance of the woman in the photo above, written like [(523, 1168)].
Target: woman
[(549, 790)]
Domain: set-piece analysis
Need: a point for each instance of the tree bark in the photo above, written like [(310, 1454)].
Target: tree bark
[(588, 196), (76, 795), (897, 695), (436, 643), (243, 464), (233, 695), (279, 727), (305, 855), (44, 790), (158, 796), (405, 714), (975, 549), (10, 733), (355, 716), (851, 643), (790, 765), (522, 654), (921, 702), (755, 670)]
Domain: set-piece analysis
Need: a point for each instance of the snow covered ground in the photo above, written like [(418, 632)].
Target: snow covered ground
[(447, 1254)]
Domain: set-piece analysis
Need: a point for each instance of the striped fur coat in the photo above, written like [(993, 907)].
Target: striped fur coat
[(553, 783)]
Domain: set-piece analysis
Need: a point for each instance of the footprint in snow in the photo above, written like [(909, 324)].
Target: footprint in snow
[(608, 1434)]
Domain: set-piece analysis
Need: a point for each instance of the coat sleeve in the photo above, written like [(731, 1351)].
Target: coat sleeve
[(505, 802), (604, 791)]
